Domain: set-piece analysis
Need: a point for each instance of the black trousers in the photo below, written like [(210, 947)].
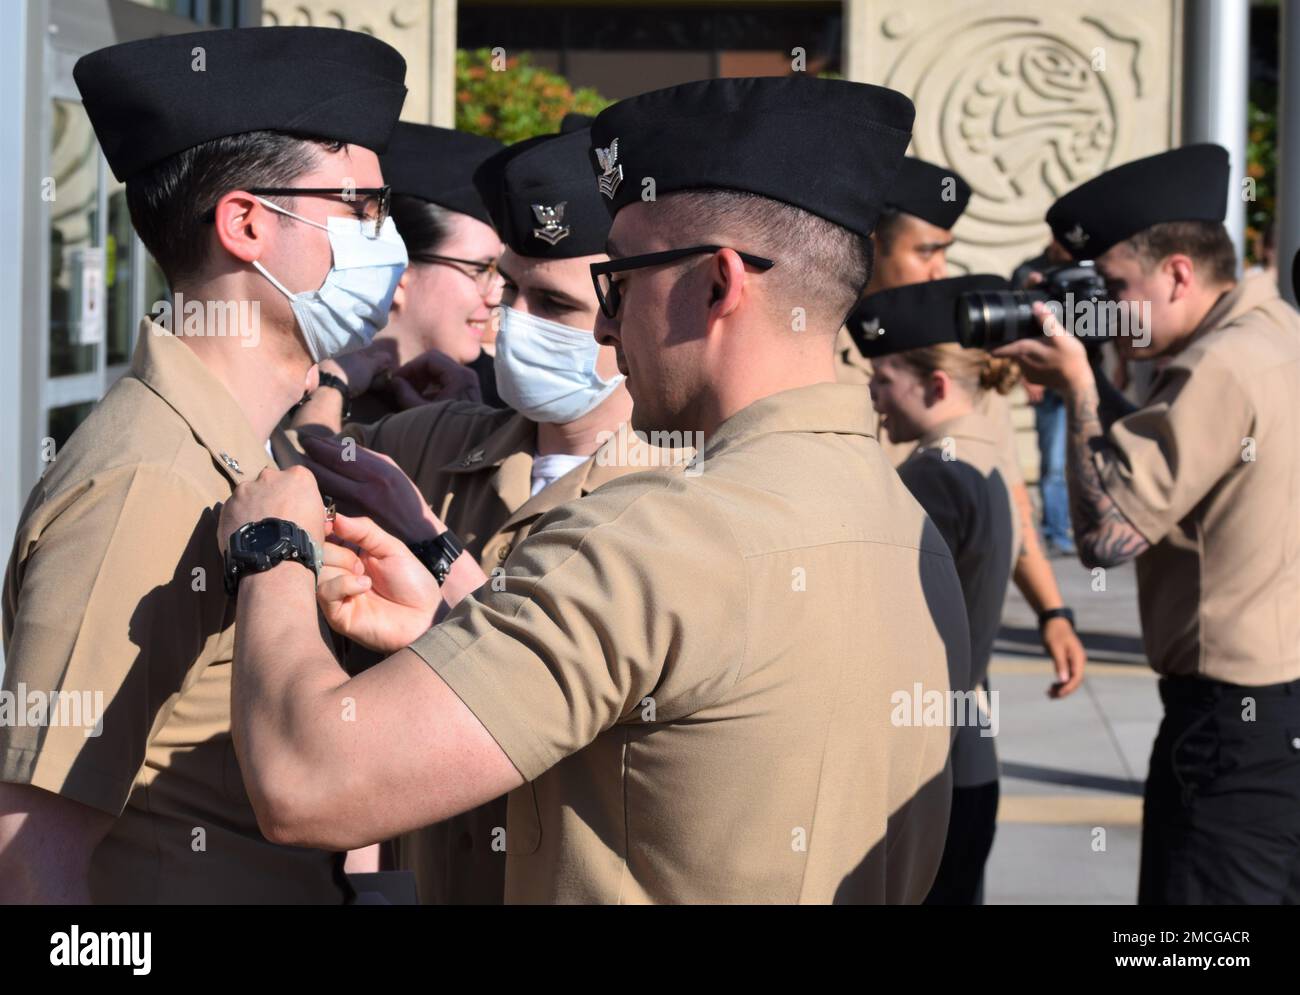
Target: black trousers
[(971, 826), (1221, 816)]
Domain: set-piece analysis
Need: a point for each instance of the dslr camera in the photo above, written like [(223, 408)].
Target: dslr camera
[(987, 319)]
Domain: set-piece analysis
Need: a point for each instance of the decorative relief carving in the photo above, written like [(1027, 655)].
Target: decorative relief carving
[(1026, 103)]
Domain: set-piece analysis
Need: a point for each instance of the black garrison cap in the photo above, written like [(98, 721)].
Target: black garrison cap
[(151, 99), (541, 197), (437, 165), (915, 315), (830, 147), (575, 121), (1187, 184), (930, 192)]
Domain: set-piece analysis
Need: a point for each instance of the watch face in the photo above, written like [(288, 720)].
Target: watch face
[(262, 536)]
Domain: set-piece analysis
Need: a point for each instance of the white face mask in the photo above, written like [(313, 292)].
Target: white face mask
[(547, 371), (352, 304)]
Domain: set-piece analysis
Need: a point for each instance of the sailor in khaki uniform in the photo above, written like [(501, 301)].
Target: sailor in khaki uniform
[(927, 388), (480, 469), (113, 594), (1199, 485), (672, 678)]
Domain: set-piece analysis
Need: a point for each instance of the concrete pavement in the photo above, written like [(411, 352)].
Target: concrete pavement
[(1069, 820)]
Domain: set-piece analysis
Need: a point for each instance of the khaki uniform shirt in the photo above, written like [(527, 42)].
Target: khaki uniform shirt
[(699, 674), (960, 475), (114, 589), (473, 465), (1209, 472)]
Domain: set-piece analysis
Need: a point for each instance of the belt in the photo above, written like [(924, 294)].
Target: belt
[(1207, 690)]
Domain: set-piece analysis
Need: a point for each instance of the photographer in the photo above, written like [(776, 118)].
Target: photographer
[(1199, 486)]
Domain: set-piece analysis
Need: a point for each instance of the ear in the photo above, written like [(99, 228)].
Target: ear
[(1182, 273), (243, 225), (399, 295), (937, 388), (726, 283)]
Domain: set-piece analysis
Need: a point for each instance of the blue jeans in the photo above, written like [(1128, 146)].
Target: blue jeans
[(1049, 420)]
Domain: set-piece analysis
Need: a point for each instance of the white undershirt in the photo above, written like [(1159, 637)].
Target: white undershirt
[(548, 469)]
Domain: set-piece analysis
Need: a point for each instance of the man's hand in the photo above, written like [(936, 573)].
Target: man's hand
[(433, 376), (1058, 360), (1068, 656), (363, 368), (370, 483), (380, 596), (288, 494)]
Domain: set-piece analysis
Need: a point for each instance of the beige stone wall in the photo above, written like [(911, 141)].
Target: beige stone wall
[(424, 31), (1025, 99)]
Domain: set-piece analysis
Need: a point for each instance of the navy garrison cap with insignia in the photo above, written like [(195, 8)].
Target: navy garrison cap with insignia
[(915, 315), (829, 147), (437, 165), (541, 198), (150, 99), (931, 193), (575, 121), (1187, 184)]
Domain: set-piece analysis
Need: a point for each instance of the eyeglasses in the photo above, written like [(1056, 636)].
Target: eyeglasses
[(607, 292), (376, 202), (483, 274)]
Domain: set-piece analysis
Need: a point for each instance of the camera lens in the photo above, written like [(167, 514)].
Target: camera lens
[(987, 319)]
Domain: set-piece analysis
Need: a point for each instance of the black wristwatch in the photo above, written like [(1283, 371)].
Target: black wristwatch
[(438, 553), (1046, 616), (330, 380), (259, 546)]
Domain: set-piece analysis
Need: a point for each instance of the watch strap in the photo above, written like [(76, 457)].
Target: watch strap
[(438, 554), (330, 380), (1046, 616)]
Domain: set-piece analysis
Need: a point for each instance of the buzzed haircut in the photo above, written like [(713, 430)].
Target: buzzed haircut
[(820, 266)]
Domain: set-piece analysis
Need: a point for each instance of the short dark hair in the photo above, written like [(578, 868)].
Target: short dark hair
[(1206, 242), (169, 200), (424, 226), (818, 261), (886, 229)]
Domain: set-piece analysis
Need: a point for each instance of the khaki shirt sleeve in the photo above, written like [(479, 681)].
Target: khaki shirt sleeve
[(105, 606), (1159, 462), (635, 592), (404, 437)]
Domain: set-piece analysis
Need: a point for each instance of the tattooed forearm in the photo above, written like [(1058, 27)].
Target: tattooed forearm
[(1102, 534)]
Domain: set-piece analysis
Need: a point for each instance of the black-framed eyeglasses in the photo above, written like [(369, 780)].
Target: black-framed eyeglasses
[(376, 202), (607, 292), (483, 274)]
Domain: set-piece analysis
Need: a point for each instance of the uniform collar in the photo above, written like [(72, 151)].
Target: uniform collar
[(1251, 292), (624, 453), (171, 370), (837, 409), (515, 435), (972, 425)]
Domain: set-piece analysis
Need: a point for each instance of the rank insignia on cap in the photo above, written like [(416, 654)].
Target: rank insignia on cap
[(871, 329), (613, 173), (1077, 237), (552, 221)]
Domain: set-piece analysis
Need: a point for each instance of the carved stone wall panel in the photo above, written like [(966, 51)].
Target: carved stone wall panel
[(1026, 100), (422, 30)]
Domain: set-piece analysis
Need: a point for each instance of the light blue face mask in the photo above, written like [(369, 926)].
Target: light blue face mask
[(547, 371), (352, 304)]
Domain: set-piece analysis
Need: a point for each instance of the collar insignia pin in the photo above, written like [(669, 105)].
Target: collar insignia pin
[(231, 462)]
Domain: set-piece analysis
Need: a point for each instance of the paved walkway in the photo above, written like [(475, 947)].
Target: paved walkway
[(1072, 770)]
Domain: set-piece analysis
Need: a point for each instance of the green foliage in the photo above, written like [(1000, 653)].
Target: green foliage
[(1261, 162), (512, 99)]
